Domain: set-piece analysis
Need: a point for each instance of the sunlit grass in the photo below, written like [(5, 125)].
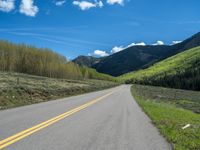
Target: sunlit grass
[(169, 66), (170, 120)]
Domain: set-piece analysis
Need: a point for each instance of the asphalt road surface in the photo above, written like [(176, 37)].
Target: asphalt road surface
[(103, 120)]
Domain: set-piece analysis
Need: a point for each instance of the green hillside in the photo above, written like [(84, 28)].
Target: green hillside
[(179, 71), (88, 61)]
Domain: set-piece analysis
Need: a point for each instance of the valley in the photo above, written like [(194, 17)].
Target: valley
[(164, 81), (99, 75)]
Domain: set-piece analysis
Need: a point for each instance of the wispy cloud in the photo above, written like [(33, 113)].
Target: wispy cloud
[(133, 23), (49, 29), (175, 42), (59, 2), (189, 22), (56, 38)]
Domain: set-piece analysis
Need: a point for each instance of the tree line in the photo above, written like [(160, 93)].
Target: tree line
[(43, 62), (188, 79)]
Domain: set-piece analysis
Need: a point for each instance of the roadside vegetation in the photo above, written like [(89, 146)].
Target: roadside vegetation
[(18, 89), (30, 75), (43, 62), (171, 110), (181, 71)]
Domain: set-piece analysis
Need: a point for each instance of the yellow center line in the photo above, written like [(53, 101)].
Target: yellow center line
[(14, 138)]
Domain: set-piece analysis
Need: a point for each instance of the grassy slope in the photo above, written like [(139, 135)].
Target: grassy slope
[(170, 66), (162, 106), (34, 89)]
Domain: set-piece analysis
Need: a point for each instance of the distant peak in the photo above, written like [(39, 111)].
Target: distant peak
[(197, 34)]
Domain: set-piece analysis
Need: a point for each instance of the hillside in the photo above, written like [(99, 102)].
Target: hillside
[(179, 71), (139, 57), (88, 61), (133, 58), (43, 62)]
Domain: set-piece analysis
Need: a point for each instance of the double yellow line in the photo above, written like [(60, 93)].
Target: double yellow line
[(12, 139)]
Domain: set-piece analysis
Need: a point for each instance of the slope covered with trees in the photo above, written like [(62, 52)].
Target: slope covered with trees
[(179, 71), (140, 57), (88, 61), (42, 62)]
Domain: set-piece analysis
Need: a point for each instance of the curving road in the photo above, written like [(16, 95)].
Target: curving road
[(103, 120)]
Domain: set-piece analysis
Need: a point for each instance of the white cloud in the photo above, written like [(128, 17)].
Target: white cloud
[(117, 49), (7, 5), (60, 2), (28, 8), (85, 5), (137, 44), (121, 48), (112, 2), (100, 53), (175, 42), (159, 43), (100, 4)]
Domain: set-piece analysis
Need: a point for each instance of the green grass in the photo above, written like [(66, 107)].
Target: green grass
[(169, 66), (169, 117), (180, 98), (35, 89)]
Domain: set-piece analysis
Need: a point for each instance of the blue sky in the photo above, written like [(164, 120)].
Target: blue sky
[(79, 27)]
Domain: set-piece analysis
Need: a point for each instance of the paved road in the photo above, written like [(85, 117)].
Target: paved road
[(103, 120)]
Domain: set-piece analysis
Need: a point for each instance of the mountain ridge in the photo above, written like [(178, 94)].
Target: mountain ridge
[(139, 57)]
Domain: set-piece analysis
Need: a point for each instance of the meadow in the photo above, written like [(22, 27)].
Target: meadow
[(17, 89)]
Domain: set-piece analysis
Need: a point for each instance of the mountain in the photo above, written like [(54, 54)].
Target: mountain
[(179, 71), (140, 57), (88, 61), (130, 59)]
